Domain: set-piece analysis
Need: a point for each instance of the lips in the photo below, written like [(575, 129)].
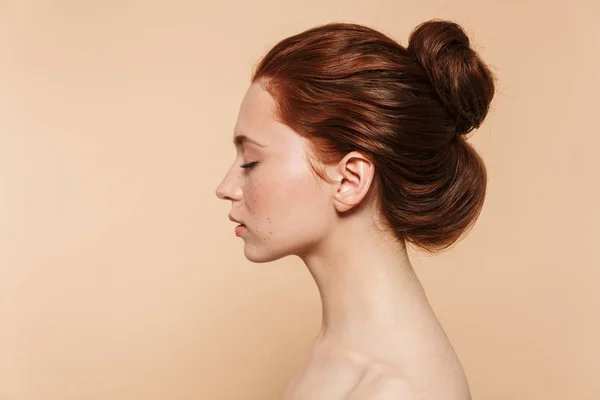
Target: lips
[(239, 230), (235, 220)]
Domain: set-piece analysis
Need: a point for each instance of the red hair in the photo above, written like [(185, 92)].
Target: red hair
[(346, 87)]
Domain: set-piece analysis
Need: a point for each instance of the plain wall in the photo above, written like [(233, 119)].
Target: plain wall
[(120, 275)]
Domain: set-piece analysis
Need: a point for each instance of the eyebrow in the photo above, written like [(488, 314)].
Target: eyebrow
[(239, 141)]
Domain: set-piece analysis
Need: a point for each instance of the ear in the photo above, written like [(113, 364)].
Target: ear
[(353, 176)]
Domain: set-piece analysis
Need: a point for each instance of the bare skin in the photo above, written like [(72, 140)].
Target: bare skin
[(395, 352), (379, 337), (405, 367)]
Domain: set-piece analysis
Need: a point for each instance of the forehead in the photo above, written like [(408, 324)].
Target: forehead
[(255, 123)]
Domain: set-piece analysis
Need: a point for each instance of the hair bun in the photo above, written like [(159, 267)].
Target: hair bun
[(462, 80)]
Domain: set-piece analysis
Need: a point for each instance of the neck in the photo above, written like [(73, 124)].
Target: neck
[(369, 291)]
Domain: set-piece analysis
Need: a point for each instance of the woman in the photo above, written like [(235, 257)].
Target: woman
[(349, 146)]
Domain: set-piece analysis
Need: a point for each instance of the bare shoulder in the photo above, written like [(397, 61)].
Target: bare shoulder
[(387, 384), (380, 386)]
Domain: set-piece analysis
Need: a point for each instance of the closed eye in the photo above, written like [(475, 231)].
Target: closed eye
[(249, 165)]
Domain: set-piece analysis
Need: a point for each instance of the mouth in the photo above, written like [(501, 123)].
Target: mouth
[(234, 220)]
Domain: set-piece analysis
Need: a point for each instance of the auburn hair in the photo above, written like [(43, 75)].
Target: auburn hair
[(347, 87)]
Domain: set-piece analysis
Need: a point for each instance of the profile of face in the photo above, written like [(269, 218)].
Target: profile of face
[(286, 208)]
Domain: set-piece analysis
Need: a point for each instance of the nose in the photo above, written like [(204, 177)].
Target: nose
[(229, 188), (226, 191), (220, 191)]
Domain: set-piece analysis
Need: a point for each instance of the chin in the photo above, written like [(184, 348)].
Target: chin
[(263, 255)]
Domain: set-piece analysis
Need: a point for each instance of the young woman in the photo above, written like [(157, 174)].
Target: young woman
[(349, 147)]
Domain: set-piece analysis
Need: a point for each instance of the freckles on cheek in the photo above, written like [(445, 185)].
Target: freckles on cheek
[(261, 204), (253, 198), (262, 199)]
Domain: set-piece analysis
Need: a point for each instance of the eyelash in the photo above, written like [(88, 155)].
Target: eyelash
[(249, 165)]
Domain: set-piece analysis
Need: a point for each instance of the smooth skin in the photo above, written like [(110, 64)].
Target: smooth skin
[(379, 337)]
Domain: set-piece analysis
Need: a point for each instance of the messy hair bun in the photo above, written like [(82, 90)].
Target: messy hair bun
[(459, 76), (347, 87)]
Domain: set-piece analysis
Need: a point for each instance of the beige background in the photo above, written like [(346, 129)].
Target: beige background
[(120, 275)]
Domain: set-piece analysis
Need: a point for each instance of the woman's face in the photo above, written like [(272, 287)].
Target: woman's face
[(285, 208)]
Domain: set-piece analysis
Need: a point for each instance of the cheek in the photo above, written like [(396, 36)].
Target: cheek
[(311, 211), (286, 205)]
